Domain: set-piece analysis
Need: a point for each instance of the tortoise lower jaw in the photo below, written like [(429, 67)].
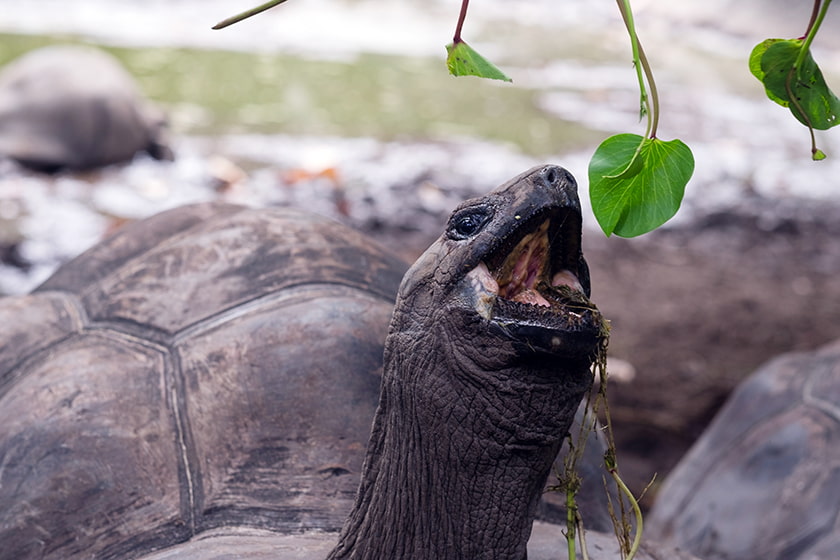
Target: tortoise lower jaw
[(569, 332)]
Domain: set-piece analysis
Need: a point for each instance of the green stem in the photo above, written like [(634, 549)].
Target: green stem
[(814, 149), (814, 11), (248, 13), (813, 27), (809, 38), (795, 101), (612, 467), (571, 511), (637, 539), (654, 93), (650, 106), (571, 480)]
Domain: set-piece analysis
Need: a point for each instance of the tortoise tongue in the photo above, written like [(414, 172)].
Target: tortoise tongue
[(526, 264), (531, 296), (562, 278), (566, 278)]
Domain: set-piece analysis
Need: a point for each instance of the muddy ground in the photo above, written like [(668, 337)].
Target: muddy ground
[(696, 308)]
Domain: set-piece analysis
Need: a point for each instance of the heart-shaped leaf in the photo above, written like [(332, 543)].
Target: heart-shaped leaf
[(632, 197), (463, 60), (811, 102), (803, 90)]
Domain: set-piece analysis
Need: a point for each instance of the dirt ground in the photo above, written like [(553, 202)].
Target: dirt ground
[(696, 308)]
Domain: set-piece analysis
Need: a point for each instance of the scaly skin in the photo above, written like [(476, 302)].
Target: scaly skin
[(475, 401)]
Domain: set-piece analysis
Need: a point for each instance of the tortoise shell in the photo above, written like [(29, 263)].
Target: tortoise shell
[(75, 107), (763, 481), (141, 387)]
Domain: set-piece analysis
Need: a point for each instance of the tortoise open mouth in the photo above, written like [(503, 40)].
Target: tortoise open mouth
[(534, 284)]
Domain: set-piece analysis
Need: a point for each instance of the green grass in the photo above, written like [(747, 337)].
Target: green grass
[(386, 97)]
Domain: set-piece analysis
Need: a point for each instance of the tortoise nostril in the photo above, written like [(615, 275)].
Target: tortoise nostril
[(553, 176), (558, 178)]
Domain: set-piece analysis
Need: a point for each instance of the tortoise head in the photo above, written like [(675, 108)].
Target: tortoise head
[(486, 361), (509, 267)]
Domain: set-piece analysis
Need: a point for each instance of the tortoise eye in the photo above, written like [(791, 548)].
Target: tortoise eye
[(468, 222)]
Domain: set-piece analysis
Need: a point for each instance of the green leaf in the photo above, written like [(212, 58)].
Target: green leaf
[(630, 197), (803, 90), (756, 70), (463, 60)]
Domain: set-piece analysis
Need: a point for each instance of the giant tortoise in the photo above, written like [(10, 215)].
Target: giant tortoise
[(202, 386), (75, 107), (763, 481)]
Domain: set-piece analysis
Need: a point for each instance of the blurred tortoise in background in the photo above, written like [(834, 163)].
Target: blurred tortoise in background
[(202, 385), (74, 107), (763, 481)]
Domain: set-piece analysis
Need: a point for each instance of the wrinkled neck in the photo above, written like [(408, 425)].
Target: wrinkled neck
[(454, 468)]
